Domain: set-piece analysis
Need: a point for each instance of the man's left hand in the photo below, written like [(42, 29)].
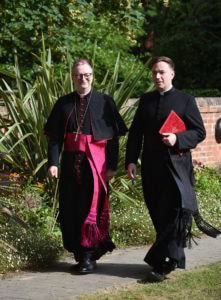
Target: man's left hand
[(169, 139)]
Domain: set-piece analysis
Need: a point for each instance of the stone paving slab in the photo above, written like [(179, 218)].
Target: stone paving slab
[(121, 267)]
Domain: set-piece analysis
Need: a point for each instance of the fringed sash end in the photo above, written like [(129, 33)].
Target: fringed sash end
[(205, 227), (90, 235), (190, 239)]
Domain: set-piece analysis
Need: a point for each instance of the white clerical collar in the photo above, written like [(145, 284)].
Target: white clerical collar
[(162, 93), (84, 94)]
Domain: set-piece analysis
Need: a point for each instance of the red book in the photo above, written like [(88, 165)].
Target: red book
[(173, 124)]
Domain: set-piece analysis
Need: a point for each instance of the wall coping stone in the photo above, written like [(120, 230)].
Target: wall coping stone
[(208, 101)]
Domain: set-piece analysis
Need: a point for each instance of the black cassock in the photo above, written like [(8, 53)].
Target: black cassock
[(167, 172), (102, 120)]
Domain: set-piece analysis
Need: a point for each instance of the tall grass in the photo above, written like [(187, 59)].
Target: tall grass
[(27, 105)]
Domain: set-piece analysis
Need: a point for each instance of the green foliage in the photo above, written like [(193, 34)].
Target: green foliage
[(22, 249), (208, 179), (73, 27), (130, 221), (124, 26), (122, 90), (208, 191), (27, 106), (28, 237), (190, 32)]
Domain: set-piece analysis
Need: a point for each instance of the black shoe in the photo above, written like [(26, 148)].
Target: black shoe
[(155, 276), (75, 268), (169, 267), (87, 266)]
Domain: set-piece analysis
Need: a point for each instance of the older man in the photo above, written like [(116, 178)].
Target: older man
[(167, 169), (87, 125)]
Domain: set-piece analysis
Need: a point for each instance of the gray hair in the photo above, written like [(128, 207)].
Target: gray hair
[(81, 62)]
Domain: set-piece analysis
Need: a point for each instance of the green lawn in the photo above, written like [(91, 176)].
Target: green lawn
[(203, 283)]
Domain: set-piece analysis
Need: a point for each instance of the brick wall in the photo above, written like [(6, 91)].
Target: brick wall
[(209, 151)]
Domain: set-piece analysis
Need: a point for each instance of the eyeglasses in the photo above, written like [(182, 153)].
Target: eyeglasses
[(85, 75)]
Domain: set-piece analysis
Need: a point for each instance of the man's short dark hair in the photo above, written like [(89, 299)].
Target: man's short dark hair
[(166, 59)]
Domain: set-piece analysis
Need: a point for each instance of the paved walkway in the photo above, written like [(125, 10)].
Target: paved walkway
[(118, 268)]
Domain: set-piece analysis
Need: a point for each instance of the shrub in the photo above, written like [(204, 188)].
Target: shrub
[(130, 221), (28, 235), (208, 191), (131, 225), (24, 249)]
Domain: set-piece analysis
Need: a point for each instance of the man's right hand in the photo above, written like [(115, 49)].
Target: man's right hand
[(53, 171), (131, 171)]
